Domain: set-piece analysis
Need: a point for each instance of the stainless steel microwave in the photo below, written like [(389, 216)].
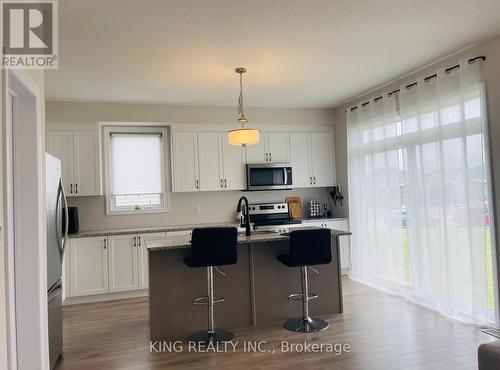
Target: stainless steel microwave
[(269, 176)]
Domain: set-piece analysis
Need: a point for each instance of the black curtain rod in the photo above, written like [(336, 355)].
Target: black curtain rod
[(426, 79)]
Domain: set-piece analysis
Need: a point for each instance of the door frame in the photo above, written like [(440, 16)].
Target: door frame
[(24, 209)]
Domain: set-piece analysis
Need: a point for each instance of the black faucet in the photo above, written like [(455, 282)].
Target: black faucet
[(246, 214)]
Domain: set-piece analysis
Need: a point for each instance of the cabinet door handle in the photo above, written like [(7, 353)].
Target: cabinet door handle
[(76, 188), (310, 180), (139, 239), (135, 241), (314, 177), (267, 157), (221, 183), (225, 183), (71, 188), (105, 244), (270, 157), (197, 183)]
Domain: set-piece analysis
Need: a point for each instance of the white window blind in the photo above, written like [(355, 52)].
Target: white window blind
[(136, 164), (135, 169)]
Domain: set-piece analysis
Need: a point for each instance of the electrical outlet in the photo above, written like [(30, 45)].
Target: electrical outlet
[(197, 209)]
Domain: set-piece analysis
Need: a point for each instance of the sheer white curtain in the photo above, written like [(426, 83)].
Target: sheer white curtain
[(418, 184)]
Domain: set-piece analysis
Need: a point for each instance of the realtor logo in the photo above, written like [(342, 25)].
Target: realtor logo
[(29, 34)]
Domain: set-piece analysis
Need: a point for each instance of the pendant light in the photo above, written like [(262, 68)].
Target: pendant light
[(242, 136)]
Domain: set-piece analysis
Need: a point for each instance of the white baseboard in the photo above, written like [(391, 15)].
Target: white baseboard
[(106, 297)]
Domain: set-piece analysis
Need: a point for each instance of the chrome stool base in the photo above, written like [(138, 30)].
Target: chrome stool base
[(305, 325), (203, 338)]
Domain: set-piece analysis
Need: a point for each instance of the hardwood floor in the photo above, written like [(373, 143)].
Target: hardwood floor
[(383, 331)]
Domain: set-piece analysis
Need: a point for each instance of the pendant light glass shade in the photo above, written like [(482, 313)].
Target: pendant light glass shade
[(242, 136)]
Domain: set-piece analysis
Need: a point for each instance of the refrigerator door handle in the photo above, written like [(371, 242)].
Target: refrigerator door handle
[(66, 217), (61, 239), (58, 235)]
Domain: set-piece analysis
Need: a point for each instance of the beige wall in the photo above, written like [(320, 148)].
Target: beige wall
[(94, 112), (491, 75), (215, 206)]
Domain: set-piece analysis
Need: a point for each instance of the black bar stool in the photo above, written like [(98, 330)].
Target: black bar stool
[(307, 248), (212, 247)]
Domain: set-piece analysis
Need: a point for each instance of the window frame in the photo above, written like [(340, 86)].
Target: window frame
[(136, 127)]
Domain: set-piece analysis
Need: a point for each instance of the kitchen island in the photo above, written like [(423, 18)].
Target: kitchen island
[(255, 288)]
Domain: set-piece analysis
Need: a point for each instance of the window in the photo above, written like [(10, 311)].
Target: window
[(136, 167), (420, 213)]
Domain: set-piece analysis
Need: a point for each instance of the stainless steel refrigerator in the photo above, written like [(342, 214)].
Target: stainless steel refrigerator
[(57, 208)]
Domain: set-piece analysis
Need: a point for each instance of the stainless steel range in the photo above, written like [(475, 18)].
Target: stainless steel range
[(270, 214)]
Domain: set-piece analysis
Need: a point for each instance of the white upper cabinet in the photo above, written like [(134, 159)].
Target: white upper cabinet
[(257, 153), (312, 159), (79, 153), (300, 159), (87, 172), (233, 158), (60, 145), (322, 159), (210, 155), (204, 161), (273, 147), (185, 161), (278, 146)]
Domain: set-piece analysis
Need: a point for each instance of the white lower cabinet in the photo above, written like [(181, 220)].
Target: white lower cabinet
[(344, 241), (108, 264), (142, 254), (123, 263), (88, 266)]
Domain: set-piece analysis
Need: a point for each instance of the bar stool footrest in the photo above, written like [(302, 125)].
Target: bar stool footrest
[(204, 300), (298, 296)]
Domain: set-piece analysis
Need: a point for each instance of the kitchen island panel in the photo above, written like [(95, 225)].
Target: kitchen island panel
[(174, 286), (273, 282)]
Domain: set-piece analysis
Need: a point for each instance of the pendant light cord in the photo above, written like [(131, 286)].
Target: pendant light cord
[(240, 98)]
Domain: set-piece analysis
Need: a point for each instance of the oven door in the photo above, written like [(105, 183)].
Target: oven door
[(274, 176)]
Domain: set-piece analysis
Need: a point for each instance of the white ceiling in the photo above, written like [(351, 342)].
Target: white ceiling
[(299, 53)]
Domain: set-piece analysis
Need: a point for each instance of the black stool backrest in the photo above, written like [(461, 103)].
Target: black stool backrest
[(214, 246), (310, 247)]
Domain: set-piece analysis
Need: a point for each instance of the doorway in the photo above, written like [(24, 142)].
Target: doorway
[(23, 163)]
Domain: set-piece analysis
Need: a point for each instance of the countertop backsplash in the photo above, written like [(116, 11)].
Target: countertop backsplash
[(215, 207)]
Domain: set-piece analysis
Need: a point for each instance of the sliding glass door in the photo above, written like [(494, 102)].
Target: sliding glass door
[(419, 195)]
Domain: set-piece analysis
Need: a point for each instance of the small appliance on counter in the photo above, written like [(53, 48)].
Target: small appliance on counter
[(73, 224), (267, 214), (318, 209)]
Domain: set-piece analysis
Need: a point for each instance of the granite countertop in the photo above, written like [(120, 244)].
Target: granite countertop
[(149, 230), (159, 229), (184, 241)]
